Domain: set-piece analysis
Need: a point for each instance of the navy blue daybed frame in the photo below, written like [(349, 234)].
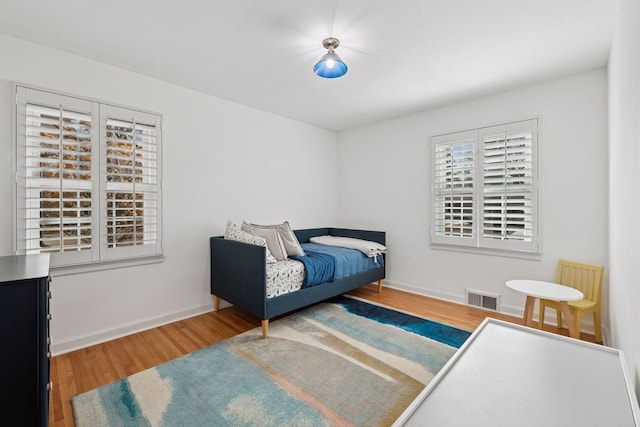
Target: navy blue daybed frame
[(238, 275)]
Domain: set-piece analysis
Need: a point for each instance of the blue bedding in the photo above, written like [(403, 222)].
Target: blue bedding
[(318, 268), (329, 263)]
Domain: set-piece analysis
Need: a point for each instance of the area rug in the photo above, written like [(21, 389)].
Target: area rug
[(340, 363)]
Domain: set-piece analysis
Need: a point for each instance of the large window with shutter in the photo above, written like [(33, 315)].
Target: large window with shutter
[(484, 189), (87, 179)]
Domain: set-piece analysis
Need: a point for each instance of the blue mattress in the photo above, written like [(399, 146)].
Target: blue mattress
[(347, 261)]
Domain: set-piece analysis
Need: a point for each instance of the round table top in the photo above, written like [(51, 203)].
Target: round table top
[(545, 290)]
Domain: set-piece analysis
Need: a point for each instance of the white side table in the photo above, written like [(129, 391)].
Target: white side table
[(547, 290)]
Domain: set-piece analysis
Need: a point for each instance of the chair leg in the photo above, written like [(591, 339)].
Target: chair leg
[(597, 326), (216, 303), (576, 322), (541, 315), (265, 328), (379, 285), (559, 318)]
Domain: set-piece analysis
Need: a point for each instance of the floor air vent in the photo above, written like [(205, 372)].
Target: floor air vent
[(482, 300)]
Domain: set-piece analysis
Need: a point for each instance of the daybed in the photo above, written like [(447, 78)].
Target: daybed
[(238, 275)]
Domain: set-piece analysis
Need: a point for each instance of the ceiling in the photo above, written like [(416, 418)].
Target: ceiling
[(404, 56)]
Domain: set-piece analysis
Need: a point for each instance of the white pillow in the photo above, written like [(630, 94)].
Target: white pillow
[(270, 234), (232, 232), (367, 247)]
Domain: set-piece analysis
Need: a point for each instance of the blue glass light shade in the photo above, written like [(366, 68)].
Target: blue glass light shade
[(330, 66)]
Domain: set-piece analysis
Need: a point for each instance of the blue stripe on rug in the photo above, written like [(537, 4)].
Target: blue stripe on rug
[(437, 331), (122, 401)]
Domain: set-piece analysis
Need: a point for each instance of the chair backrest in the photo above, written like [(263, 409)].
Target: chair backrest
[(583, 277)]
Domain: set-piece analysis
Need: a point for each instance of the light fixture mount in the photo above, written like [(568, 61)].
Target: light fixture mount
[(330, 43), (330, 65)]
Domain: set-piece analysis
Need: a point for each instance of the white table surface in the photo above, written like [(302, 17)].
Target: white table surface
[(545, 290), (508, 375)]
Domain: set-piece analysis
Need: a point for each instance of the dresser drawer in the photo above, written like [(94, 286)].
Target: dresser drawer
[(24, 327)]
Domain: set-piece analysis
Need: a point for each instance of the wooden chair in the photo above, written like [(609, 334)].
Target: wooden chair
[(588, 280)]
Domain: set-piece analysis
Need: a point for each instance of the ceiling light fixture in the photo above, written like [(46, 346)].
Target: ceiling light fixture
[(330, 65)]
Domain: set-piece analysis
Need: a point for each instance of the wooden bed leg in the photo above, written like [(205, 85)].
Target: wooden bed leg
[(216, 303), (265, 328), (379, 285)]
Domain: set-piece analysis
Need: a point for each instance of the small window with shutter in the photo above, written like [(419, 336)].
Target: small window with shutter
[(484, 189), (88, 178)]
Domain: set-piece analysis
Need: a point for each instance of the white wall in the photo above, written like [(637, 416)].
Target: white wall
[(624, 163), (384, 174), (221, 161)]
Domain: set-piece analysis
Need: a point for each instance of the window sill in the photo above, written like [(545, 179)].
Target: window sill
[(530, 256), (68, 270)]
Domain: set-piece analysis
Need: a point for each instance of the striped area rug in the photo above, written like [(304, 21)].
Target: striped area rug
[(340, 363)]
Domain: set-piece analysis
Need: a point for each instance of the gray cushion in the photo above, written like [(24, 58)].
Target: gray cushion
[(289, 239), (287, 236), (270, 234), (232, 232)]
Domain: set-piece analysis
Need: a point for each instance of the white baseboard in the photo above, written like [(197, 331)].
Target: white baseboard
[(132, 328), (424, 292)]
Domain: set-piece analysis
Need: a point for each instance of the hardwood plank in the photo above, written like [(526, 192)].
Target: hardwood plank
[(66, 386), (88, 368)]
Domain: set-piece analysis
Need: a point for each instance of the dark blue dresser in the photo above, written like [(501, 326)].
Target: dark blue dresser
[(24, 340)]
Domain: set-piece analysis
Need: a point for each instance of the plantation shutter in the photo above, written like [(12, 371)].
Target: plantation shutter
[(509, 189), (130, 196), (87, 180), (453, 189), (484, 190), (56, 177)]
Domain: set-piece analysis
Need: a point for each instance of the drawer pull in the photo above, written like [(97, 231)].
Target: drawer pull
[(49, 295), (48, 355), (48, 340), (49, 316), (49, 386)]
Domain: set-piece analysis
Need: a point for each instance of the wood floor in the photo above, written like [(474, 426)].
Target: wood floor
[(91, 367)]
